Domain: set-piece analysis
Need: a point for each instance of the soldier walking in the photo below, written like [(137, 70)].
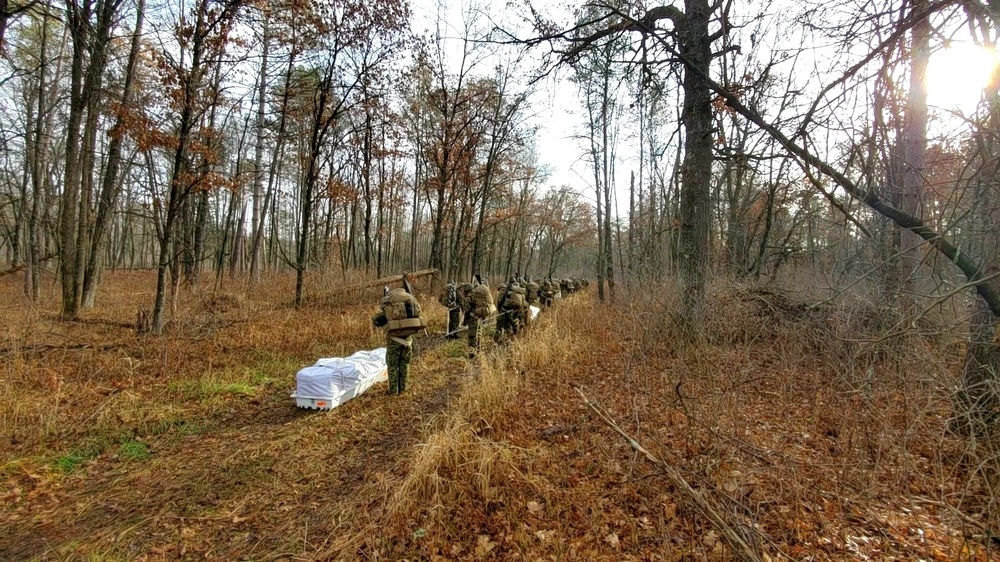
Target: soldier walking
[(504, 327), (479, 307), (400, 316), (449, 298)]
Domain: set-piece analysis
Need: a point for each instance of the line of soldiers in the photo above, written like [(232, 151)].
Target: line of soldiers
[(472, 304)]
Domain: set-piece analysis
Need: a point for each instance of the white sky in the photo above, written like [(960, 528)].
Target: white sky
[(956, 77), (553, 104)]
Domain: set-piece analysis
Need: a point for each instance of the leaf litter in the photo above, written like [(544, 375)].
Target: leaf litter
[(535, 475)]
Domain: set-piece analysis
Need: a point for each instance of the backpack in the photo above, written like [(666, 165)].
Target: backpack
[(515, 299), (449, 296), (403, 313), (533, 291), (481, 301)]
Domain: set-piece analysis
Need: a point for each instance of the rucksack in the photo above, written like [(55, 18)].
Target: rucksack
[(481, 299), (403, 313), (449, 297), (515, 299), (532, 292)]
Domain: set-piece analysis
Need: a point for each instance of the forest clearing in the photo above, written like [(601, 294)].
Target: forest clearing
[(187, 446)]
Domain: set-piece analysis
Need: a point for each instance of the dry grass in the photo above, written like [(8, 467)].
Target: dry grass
[(92, 413), (806, 429), (465, 458), (807, 432)]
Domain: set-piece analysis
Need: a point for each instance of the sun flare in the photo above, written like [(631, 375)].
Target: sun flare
[(956, 76)]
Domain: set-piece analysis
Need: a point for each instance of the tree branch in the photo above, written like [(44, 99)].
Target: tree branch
[(736, 542)]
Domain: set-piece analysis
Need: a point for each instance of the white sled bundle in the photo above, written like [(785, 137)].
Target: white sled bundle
[(335, 380)]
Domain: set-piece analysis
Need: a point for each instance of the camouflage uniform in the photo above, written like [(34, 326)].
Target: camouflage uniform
[(504, 328), (398, 352), (545, 293), (464, 303), (449, 298), (533, 292), (471, 320)]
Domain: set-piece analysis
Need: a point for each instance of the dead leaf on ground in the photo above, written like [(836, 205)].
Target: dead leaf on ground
[(484, 545), (612, 539)]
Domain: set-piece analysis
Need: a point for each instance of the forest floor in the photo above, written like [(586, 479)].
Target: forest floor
[(776, 429)]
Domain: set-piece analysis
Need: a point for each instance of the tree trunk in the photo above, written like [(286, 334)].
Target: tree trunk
[(78, 22), (179, 187), (259, 204), (110, 187), (914, 152), (32, 282), (695, 211)]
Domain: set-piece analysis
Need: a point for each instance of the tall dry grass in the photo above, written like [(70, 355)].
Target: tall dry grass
[(465, 458)]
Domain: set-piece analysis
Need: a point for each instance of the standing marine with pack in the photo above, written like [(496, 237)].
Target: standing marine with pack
[(534, 292), (546, 293), (449, 298), (479, 307), (512, 304), (505, 325), (400, 316), (464, 290), (517, 303)]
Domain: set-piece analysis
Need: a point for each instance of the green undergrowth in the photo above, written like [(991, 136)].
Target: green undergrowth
[(133, 450), (244, 381), (125, 447), (73, 460)]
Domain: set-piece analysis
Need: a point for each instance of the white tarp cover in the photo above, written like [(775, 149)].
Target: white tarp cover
[(339, 379)]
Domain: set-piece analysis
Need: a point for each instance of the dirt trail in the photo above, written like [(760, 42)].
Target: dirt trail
[(265, 479)]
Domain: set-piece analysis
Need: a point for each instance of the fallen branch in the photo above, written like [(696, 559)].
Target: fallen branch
[(13, 270), (41, 348), (735, 541), (379, 282), (24, 266), (393, 279), (957, 512), (94, 321)]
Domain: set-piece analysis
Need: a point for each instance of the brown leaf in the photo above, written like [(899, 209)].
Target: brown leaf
[(612, 539), (484, 545)]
